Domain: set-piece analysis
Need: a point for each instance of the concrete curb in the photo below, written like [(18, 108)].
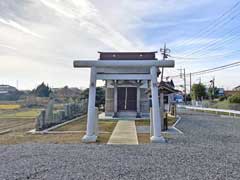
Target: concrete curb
[(178, 120), (174, 125), (232, 117)]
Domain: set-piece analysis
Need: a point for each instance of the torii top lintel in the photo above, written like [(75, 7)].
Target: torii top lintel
[(124, 59)]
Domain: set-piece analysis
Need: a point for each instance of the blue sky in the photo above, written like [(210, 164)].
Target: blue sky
[(39, 39)]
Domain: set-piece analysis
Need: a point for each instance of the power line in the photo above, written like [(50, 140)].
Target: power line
[(212, 45), (234, 35), (235, 64), (200, 56), (216, 23), (218, 26)]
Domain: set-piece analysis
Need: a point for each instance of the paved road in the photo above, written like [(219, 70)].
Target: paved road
[(209, 149)]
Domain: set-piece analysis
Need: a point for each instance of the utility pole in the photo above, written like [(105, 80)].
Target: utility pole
[(213, 87), (200, 80), (183, 75), (17, 84), (190, 77), (185, 86), (164, 51)]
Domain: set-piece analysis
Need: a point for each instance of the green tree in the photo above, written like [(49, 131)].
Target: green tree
[(100, 96), (42, 90), (198, 91), (212, 93), (235, 98)]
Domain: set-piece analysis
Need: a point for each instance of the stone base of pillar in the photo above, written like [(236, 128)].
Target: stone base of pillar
[(138, 115), (115, 115), (155, 139), (89, 139)]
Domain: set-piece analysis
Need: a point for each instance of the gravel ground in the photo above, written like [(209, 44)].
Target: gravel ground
[(209, 149)]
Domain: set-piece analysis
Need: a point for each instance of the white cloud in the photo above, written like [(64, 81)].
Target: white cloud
[(8, 47), (19, 27), (193, 41), (90, 19), (40, 39)]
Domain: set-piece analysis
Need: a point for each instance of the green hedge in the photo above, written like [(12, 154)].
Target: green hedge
[(235, 98)]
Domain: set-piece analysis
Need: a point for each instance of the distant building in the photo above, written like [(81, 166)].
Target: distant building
[(169, 91), (8, 93), (236, 88), (6, 89), (220, 92), (233, 91)]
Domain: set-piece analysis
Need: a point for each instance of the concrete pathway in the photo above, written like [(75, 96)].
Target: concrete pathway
[(124, 133)]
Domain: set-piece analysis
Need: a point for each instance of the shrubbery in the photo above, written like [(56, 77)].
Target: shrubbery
[(222, 98), (198, 91), (235, 98)]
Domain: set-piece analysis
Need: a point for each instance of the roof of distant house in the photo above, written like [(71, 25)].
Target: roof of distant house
[(4, 89), (236, 88), (167, 87)]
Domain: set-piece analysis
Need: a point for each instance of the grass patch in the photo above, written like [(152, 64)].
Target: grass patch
[(22, 137), (19, 135), (23, 113), (221, 105), (78, 125), (9, 106), (15, 123), (144, 138), (145, 122), (20, 122), (81, 125), (216, 113)]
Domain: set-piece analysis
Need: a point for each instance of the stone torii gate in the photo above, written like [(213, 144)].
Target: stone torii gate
[(108, 70)]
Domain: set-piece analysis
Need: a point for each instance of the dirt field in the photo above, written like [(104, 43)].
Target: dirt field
[(14, 125)]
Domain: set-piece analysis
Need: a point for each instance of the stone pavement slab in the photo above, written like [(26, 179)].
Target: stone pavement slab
[(124, 133)]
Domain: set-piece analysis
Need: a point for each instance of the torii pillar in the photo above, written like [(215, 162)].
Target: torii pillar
[(155, 108), (91, 118)]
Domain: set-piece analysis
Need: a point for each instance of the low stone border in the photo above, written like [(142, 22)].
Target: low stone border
[(66, 132), (5, 131)]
